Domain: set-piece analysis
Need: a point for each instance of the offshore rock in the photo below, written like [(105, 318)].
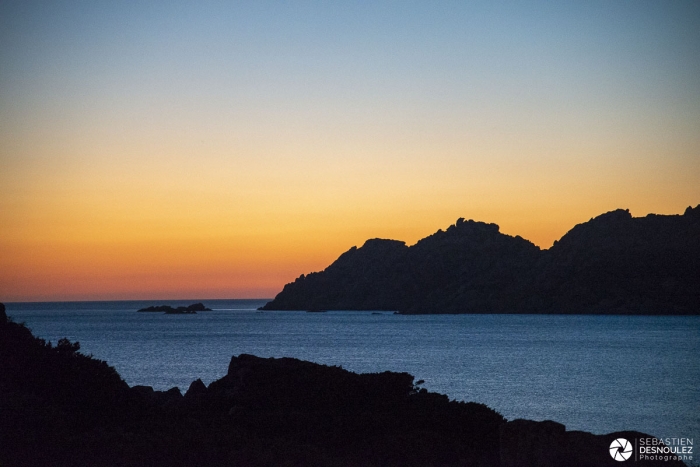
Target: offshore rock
[(168, 310)]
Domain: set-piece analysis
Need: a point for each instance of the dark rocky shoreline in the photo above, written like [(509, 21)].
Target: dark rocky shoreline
[(61, 408)]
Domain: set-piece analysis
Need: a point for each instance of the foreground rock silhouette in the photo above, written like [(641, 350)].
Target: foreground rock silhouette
[(612, 264), (61, 408)]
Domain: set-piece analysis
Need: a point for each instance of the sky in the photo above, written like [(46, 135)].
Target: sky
[(166, 150)]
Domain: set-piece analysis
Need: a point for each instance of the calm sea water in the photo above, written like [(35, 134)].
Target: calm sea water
[(593, 373)]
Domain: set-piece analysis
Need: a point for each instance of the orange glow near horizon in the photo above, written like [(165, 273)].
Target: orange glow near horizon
[(220, 152), (85, 257)]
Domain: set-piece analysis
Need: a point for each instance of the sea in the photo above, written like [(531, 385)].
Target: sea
[(594, 373)]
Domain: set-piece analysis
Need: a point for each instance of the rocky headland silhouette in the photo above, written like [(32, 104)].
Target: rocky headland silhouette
[(59, 407), (612, 264)]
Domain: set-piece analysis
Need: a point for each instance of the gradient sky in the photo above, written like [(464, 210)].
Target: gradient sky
[(221, 149)]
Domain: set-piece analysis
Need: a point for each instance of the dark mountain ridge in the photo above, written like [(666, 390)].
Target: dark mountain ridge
[(612, 264)]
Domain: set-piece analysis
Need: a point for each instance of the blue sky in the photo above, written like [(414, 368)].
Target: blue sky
[(290, 131)]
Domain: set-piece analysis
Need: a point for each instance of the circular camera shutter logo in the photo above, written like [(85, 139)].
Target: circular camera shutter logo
[(620, 449)]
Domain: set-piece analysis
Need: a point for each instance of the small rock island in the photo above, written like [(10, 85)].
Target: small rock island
[(181, 310)]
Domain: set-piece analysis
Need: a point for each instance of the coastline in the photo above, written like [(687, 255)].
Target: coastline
[(298, 401)]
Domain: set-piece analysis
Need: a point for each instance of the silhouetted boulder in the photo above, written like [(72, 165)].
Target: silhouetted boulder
[(526, 443), (145, 393), (374, 419), (196, 389), (3, 315), (169, 400)]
